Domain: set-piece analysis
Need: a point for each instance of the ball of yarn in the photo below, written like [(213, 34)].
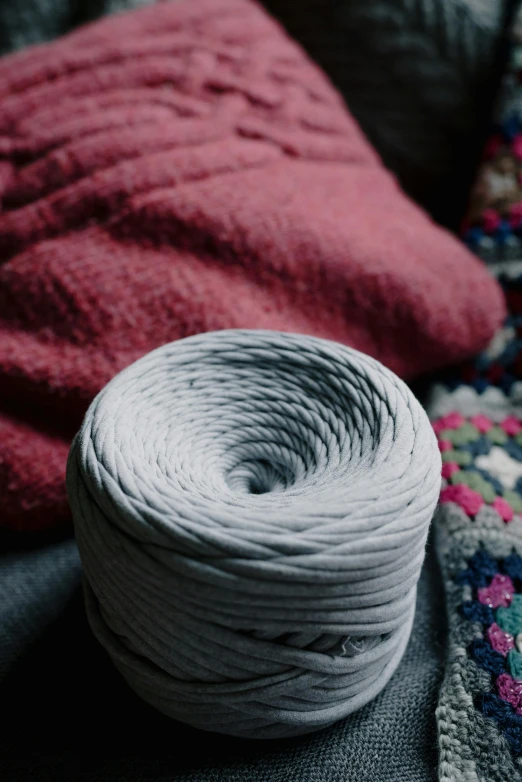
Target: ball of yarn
[(251, 510)]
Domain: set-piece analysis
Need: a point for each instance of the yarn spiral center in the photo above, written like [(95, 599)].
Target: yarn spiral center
[(258, 477)]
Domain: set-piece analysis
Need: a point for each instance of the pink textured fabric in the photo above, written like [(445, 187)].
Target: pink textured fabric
[(450, 421), (482, 422), (469, 500), (186, 168), (500, 640), (445, 445), (499, 593), (510, 690), (511, 426), (503, 508), (449, 468)]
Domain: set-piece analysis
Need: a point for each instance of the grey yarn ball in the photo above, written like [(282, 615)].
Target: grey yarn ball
[(251, 510)]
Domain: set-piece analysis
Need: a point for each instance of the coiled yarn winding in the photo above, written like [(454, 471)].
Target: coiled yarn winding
[(251, 509)]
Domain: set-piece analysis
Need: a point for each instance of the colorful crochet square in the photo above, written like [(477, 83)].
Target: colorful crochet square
[(481, 463), (496, 605)]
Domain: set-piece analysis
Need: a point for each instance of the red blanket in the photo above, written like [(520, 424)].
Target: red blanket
[(186, 168)]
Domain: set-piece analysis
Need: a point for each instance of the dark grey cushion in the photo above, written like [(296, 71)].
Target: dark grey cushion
[(420, 77)]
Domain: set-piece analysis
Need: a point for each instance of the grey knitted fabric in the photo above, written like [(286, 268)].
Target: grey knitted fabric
[(420, 77), (251, 509), (35, 587)]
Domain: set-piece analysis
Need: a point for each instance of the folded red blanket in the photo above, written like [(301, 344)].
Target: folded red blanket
[(186, 168)]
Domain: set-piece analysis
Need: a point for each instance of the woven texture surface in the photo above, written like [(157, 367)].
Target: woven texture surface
[(181, 169)]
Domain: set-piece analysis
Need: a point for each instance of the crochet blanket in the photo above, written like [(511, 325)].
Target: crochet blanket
[(477, 415), (478, 421)]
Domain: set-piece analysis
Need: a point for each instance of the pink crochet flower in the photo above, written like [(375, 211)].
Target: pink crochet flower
[(510, 690), (503, 508), (511, 425), (501, 641), (490, 220), (448, 468), (450, 421), (482, 422), (445, 445), (499, 593), (469, 500)]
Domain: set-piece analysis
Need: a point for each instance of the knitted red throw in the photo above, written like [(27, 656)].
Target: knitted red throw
[(181, 169)]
